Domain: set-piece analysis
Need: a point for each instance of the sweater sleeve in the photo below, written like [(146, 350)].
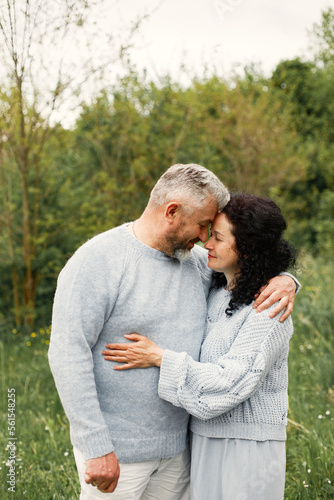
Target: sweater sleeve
[(84, 299), (298, 285), (207, 390)]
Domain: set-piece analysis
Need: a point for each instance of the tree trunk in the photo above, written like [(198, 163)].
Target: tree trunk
[(8, 222), (28, 283)]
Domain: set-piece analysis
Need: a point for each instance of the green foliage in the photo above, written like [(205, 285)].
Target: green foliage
[(270, 136), (306, 92), (44, 458), (310, 444), (323, 38), (49, 239)]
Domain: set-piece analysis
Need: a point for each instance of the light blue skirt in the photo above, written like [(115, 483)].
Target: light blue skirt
[(237, 469)]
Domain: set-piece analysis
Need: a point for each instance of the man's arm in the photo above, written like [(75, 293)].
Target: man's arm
[(83, 302), (281, 288)]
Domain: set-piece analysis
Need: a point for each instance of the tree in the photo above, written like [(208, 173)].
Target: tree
[(322, 38), (129, 137), (306, 90), (38, 86)]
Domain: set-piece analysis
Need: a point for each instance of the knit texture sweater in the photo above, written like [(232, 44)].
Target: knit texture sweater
[(112, 286), (239, 387)]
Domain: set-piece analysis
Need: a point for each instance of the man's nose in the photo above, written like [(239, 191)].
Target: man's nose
[(203, 235)]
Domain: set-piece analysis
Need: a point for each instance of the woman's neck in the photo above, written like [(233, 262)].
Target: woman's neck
[(231, 281)]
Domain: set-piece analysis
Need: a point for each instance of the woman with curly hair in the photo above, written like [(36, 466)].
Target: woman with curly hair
[(237, 392)]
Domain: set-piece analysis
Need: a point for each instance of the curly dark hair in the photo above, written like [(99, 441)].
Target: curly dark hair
[(258, 225)]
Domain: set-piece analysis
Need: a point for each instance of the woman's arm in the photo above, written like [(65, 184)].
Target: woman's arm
[(207, 390), (142, 353)]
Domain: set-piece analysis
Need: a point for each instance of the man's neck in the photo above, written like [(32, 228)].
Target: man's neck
[(146, 230)]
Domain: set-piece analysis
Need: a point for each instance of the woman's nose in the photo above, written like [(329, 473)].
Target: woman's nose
[(208, 244)]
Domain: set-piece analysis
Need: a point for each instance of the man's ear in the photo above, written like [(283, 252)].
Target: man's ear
[(172, 209)]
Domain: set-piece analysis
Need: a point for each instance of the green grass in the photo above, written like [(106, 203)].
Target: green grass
[(310, 444), (45, 467)]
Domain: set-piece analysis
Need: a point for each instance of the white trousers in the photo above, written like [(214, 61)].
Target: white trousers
[(164, 479)]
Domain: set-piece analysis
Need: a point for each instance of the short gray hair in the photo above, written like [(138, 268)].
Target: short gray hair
[(191, 183)]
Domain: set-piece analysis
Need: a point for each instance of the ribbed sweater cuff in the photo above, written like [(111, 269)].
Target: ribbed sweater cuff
[(244, 430), (171, 365), (93, 444)]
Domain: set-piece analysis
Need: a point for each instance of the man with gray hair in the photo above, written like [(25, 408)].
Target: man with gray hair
[(148, 277)]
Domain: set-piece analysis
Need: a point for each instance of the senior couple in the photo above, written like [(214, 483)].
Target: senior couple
[(143, 295)]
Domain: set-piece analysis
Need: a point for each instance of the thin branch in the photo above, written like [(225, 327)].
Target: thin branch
[(300, 426), (4, 34), (12, 29), (25, 31)]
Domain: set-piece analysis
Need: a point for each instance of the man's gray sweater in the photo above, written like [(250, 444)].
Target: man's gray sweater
[(114, 285)]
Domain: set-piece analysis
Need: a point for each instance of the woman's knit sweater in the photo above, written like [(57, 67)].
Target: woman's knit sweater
[(239, 387)]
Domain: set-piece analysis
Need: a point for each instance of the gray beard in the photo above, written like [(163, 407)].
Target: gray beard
[(176, 248), (182, 254)]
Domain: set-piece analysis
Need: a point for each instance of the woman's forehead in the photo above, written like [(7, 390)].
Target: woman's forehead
[(221, 223)]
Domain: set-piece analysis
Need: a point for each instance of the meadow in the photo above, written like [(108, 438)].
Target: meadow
[(44, 462)]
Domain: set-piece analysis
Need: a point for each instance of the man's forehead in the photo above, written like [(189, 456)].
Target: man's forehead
[(206, 221), (208, 214)]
